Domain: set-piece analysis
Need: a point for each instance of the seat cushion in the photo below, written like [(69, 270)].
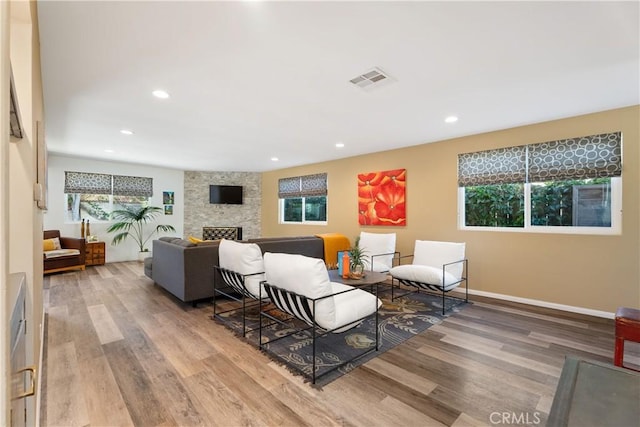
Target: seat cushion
[(425, 274), (376, 244), (305, 276), (351, 306), (58, 253), (243, 258)]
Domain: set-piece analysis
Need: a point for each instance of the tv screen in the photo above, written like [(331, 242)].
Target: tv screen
[(225, 194)]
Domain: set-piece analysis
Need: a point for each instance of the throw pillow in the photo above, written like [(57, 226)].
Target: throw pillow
[(194, 239), (51, 244), (48, 245)]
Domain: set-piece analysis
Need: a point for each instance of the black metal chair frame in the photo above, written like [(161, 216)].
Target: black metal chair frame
[(235, 290), (421, 286), (303, 308), (395, 260)]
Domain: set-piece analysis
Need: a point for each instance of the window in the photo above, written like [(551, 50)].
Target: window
[(567, 186), (93, 196), (303, 199)]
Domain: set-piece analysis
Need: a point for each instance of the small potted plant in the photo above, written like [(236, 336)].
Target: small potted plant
[(130, 223), (357, 260)]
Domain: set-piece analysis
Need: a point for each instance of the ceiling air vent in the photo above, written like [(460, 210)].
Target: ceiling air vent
[(371, 79)]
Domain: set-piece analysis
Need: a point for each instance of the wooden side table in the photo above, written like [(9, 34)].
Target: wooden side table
[(95, 253)]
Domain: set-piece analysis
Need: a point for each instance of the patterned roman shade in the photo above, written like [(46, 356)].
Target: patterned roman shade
[(303, 186), (577, 158), (88, 183), (499, 166), (132, 186)]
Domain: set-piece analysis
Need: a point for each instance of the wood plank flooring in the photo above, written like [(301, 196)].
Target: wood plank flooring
[(120, 350)]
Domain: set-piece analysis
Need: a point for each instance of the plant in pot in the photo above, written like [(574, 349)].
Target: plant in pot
[(357, 260), (130, 223)]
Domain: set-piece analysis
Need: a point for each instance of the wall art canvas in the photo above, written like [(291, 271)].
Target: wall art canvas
[(168, 209), (167, 198), (381, 198)]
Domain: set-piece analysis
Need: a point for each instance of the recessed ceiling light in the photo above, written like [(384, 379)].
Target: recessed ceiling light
[(274, 159), (108, 151), (451, 119), (339, 145), (160, 94), (126, 132)]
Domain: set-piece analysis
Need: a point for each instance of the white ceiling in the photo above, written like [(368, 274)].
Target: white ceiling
[(253, 80)]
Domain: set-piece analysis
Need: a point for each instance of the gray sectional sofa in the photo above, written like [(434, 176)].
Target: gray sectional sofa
[(185, 269)]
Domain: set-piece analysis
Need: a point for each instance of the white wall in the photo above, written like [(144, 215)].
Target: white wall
[(163, 180)]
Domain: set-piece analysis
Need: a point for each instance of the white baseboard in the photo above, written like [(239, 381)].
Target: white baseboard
[(540, 303)]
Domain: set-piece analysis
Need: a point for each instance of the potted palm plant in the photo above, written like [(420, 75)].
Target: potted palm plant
[(357, 260), (130, 224)]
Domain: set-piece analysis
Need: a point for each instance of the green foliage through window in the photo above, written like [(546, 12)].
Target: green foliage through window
[(495, 205), (304, 209), (578, 202)]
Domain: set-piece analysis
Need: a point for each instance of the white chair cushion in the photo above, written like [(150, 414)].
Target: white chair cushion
[(305, 276), (243, 258), (425, 274), (351, 306), (378, 243), (435, 254)]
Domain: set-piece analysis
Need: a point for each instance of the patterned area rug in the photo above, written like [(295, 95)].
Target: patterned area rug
[(398, 321)]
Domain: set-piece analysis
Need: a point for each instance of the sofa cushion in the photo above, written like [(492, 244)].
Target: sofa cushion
[(245, 259), (184, 243)]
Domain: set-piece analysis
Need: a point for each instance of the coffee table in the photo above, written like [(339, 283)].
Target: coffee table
[(593, 393), (370, 278)]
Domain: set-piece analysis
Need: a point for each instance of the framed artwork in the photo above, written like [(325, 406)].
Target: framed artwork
[(168, 209), (381, 198), (167, 198)]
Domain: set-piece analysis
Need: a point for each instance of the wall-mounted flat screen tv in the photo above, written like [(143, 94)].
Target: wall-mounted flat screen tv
[(225, 194)]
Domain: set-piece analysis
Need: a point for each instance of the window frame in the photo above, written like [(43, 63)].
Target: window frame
[(614, 229), (281, 219)]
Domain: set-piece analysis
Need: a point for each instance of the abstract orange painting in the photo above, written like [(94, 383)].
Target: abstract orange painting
[(381, 198)]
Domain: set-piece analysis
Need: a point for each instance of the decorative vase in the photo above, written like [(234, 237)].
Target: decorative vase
[(345, 265), (357, 272), (82, 229)]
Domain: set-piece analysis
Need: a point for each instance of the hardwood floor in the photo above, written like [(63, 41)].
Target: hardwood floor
[(119, 350)]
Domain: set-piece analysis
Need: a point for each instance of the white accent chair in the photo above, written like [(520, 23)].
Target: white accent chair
[(381, 250), (436, 266), (300, 287), (242, 270)]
